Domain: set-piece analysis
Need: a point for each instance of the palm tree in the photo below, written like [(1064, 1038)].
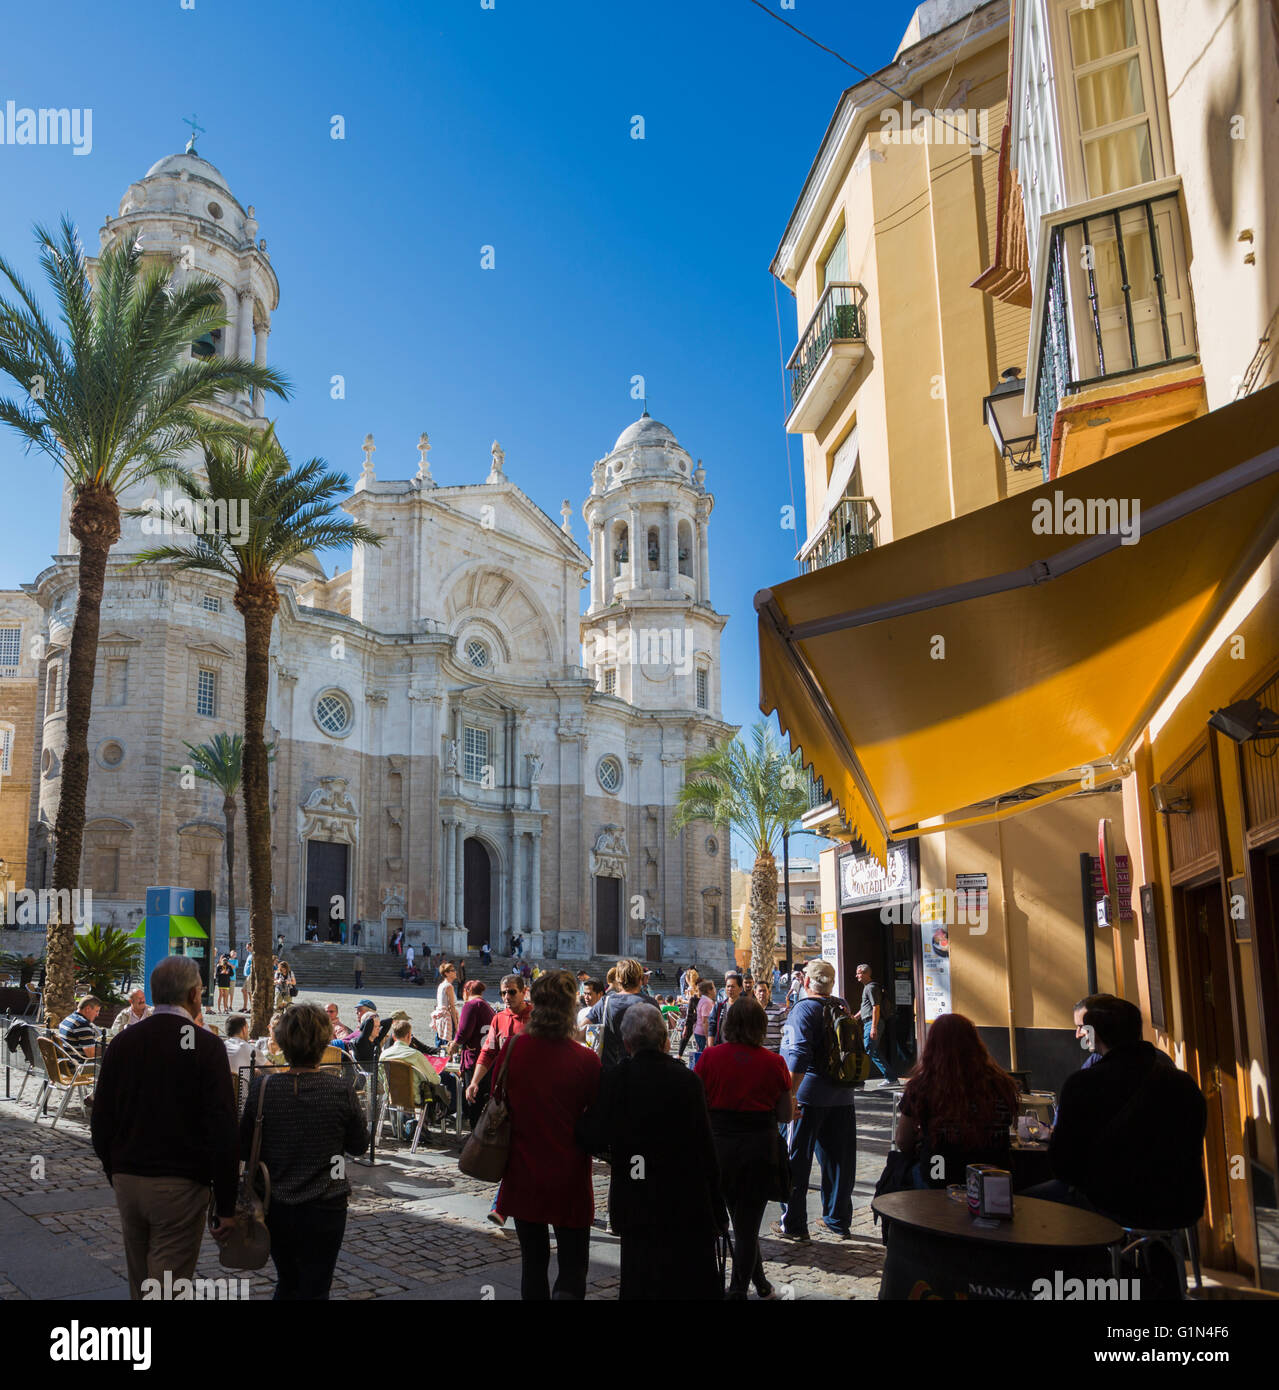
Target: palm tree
[(219, 762), (757, 792), (112, 396), (288, 511)]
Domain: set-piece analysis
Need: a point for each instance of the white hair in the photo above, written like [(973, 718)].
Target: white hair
[(643, 1030)]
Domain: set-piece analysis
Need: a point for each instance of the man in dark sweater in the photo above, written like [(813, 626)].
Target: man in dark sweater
[(164, 1127), (1129, 1135)]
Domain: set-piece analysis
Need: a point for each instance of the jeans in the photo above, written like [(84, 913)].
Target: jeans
[(572, 1251), (829, 1131), (359, 979), (748, 1264), (872, 1049), (306, 1240)]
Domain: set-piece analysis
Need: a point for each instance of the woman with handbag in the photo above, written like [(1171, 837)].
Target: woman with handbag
[(477, 1014), (548, 1081), (308, 1118), (748, 1091)]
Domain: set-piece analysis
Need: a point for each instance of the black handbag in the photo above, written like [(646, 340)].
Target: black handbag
[(780, 1187), (894, 1178)]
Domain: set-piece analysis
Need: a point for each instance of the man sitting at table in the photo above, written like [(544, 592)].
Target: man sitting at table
[(401, 1049), (1129, 1135)]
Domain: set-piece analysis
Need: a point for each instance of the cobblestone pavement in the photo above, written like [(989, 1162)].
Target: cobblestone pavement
[(417, 1228)]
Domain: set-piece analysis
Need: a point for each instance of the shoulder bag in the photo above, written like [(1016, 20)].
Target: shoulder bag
[(488, 1147), (249, 1245)]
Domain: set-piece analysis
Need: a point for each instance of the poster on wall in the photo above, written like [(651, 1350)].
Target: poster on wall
[(934, 938)]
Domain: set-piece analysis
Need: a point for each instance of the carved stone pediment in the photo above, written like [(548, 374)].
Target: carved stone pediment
[(330, 814), (609, 855)]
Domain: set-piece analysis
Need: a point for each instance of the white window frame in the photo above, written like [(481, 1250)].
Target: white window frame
[(6, 750), (702, 687), (212, 603), (212, 711), (1149, 53), (608, 680), (473, 761), (11, 644)]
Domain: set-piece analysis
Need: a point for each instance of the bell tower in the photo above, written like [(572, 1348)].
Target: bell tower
[(650, 635), (184, 213)]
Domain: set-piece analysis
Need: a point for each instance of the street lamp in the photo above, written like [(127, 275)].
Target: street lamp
[(1015, 433), (1245, 720), (786, 892)]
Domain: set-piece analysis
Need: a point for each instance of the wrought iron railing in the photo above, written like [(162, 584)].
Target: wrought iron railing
[(853, 529), (840, 316), (1098, 326)]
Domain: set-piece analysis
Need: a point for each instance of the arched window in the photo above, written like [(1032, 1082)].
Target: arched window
[(654, 548), (621, 548), (686, 549)]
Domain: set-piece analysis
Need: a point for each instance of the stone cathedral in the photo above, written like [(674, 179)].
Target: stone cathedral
[(462, 748)]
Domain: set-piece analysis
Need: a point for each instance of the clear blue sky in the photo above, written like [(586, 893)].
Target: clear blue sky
[(464, 127)]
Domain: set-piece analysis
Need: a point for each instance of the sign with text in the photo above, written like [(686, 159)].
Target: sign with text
[(862, 878), (1123, 872), (934, 941)]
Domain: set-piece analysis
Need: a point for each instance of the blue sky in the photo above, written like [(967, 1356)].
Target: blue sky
[(467, 127)]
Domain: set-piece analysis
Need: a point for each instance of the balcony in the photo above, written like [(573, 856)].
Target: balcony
[(829, 349), (1116, 303), (853, 529)]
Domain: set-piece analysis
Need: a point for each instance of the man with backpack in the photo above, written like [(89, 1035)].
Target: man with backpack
[(732, 991), (821, 1044)]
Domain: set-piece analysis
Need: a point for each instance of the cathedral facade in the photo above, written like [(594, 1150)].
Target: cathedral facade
[(462, 748)]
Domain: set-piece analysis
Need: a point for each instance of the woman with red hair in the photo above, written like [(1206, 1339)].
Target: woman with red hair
[(958, 1106)]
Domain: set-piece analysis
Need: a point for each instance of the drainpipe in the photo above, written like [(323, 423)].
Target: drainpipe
[(1004, 898)]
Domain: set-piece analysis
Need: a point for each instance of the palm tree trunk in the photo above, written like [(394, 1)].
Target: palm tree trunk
[(95, 523), (228, 811), (258, 607), (763, 908)]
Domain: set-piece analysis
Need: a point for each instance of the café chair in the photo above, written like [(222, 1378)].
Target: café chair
[(71, 1075), (1181, 1244)]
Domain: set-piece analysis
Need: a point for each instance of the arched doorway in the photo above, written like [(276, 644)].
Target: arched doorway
[(608, 916), (477, 883)]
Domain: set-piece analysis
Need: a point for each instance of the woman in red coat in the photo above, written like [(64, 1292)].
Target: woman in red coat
[(549, 1081)]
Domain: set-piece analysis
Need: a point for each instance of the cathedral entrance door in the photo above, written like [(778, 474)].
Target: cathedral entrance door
[(326, 877), (477, 890), (653, 948), (608, 916)]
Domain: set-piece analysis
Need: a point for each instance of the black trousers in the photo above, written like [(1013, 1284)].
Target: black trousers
[(472, 1110), (663, 1264), (306, 1241), (572, 1252), (747, 1215)]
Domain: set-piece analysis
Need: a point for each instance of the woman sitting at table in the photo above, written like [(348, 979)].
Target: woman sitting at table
[(957, 1108)]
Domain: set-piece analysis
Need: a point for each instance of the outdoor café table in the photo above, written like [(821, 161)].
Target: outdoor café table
[(936, 1250)]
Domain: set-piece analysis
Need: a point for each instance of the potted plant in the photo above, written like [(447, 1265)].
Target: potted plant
[(104, 956)]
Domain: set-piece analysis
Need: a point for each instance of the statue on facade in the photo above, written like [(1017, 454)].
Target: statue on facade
[(450, 755), (534, 762)]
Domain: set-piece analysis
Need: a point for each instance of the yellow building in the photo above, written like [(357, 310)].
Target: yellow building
[(895, 354), (20, 622), (1117, 625)]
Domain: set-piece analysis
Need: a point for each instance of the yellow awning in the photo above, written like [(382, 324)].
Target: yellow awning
[(982, 656)]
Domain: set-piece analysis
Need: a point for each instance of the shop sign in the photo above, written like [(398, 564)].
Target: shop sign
[(1123, 872), (862, 878), (934, 941)]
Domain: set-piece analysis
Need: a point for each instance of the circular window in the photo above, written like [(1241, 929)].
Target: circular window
[(610, 774), (333, 713), (46, 762), (215, 212), (712, 845), (477, 653), (111, 753)]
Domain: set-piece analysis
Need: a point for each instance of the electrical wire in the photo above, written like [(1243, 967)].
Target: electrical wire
[(870, 76)]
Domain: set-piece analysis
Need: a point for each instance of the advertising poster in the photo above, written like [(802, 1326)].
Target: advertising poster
[(935, 948)]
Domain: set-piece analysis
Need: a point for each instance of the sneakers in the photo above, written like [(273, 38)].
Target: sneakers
[(782, 1233), (496, 1219)]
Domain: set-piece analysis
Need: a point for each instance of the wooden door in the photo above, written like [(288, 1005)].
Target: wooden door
[(608, 916), (326, 869), (477, 893), (653, 948)]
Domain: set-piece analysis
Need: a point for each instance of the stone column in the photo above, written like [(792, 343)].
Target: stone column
[(517, 880), (263, 332), (672, 548), (446, 878), (638, 550), (535, 906), (703, 564), (459, 874), (599, 565)]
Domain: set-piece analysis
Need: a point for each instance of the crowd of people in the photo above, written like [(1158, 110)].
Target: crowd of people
[(708, 1103)]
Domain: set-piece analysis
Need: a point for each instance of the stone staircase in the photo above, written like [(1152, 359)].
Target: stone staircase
[(323, 967)]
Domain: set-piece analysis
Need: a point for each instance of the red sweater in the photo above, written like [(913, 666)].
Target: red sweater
[(550, 1083), (736, 1076)]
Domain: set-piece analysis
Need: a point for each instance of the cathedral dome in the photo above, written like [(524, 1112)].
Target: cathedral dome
[(645, 430), (175, 165)]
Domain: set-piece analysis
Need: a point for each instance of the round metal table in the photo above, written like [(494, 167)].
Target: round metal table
[(936, 1250)]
